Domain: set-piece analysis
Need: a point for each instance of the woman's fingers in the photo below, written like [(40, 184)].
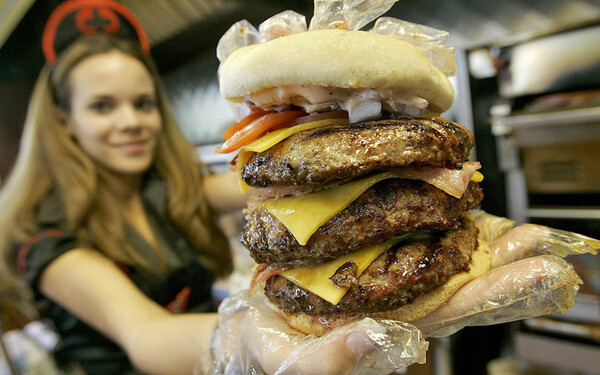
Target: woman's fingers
[(491, 226), (284, 352), (253, 339), (530, 287), (531, 239), (367, 347), (517, 243)]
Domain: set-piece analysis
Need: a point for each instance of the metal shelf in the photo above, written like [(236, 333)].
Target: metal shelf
[(592, 213), (562, 354), (567, 117), (521, 130)]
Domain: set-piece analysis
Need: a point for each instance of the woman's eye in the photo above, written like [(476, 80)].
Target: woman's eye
[(101, 106), (146, 104)]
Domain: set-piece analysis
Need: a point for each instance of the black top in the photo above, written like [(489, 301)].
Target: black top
[(186, 288)]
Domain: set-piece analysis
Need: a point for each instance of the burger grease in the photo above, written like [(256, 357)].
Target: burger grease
[(365, 190)]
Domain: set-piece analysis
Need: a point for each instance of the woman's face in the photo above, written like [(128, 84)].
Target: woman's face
[(114, 115)]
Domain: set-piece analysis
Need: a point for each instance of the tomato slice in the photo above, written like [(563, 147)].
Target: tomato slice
[(242, 123), (257, 128)]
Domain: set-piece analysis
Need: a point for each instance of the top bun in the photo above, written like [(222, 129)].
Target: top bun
[(335, 58)]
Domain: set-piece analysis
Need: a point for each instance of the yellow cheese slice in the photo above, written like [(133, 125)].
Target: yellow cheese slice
[(477, 177), (304, 214), (271, 139), (315, 277)]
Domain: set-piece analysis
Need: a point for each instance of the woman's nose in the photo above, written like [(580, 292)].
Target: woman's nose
[(128, 117)]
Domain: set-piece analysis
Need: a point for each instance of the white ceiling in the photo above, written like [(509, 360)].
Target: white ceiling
[(162, 19), (470, 22), (473, 23)]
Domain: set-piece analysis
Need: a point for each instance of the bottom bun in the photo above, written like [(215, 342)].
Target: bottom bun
[(422, 306)]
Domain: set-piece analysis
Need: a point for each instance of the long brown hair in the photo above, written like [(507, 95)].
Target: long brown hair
[(50, 160)]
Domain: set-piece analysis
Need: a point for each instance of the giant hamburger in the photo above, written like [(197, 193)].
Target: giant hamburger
[(364, 190)]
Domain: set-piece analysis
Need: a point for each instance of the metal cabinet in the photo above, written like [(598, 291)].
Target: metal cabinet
[(518, 132)]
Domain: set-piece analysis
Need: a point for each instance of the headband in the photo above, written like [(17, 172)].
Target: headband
[(73, 18)]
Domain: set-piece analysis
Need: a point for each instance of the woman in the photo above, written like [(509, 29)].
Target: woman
[(85, 213), (109, 216)]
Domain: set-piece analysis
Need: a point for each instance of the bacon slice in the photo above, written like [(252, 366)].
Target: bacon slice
[(262, 273), (452, 181)]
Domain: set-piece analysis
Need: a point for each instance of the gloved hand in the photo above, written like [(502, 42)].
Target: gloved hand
[(252, 339), (524, 289), (529, 278)]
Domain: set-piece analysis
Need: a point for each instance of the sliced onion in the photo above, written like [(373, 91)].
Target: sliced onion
[(322, 116), (281, 107), (363, 111)]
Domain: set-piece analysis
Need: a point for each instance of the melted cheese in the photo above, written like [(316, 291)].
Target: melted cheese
[(271, 139), (315, 277), (304, 214)]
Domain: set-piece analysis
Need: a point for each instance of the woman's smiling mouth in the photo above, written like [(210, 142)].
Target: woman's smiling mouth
[(132, 147)]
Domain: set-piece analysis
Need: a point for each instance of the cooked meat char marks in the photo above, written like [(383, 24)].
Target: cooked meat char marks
[(329, 154), (389, 208), (394, 279), (346, 275)]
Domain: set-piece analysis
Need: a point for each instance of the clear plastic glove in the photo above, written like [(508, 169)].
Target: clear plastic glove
[(524, 289), (240, 34), (531, 239), (429, 40), (490, 226), (528, 277), (252, 339)]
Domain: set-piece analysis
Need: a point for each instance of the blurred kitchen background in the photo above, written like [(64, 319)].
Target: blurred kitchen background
[(528, 86)]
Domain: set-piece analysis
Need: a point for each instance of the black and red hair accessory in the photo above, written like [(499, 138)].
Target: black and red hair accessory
[(73, 18)]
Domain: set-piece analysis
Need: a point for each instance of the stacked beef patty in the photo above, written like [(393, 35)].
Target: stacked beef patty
[(443, 238)]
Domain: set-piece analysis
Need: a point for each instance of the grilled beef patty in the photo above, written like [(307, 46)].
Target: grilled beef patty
[(334, 153), (394, 279), (389, 208)]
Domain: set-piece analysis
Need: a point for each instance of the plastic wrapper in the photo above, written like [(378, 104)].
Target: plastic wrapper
[(347, 14), (429, 40), (240, 34), (343, 14), (284, 23)]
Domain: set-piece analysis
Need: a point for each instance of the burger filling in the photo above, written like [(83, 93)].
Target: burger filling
[(390, 208), (348, 192), (341, 152), (361, 104), (395, 278)]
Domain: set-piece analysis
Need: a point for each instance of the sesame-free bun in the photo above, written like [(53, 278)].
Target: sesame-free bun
[(335, 58), (422, 306)]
